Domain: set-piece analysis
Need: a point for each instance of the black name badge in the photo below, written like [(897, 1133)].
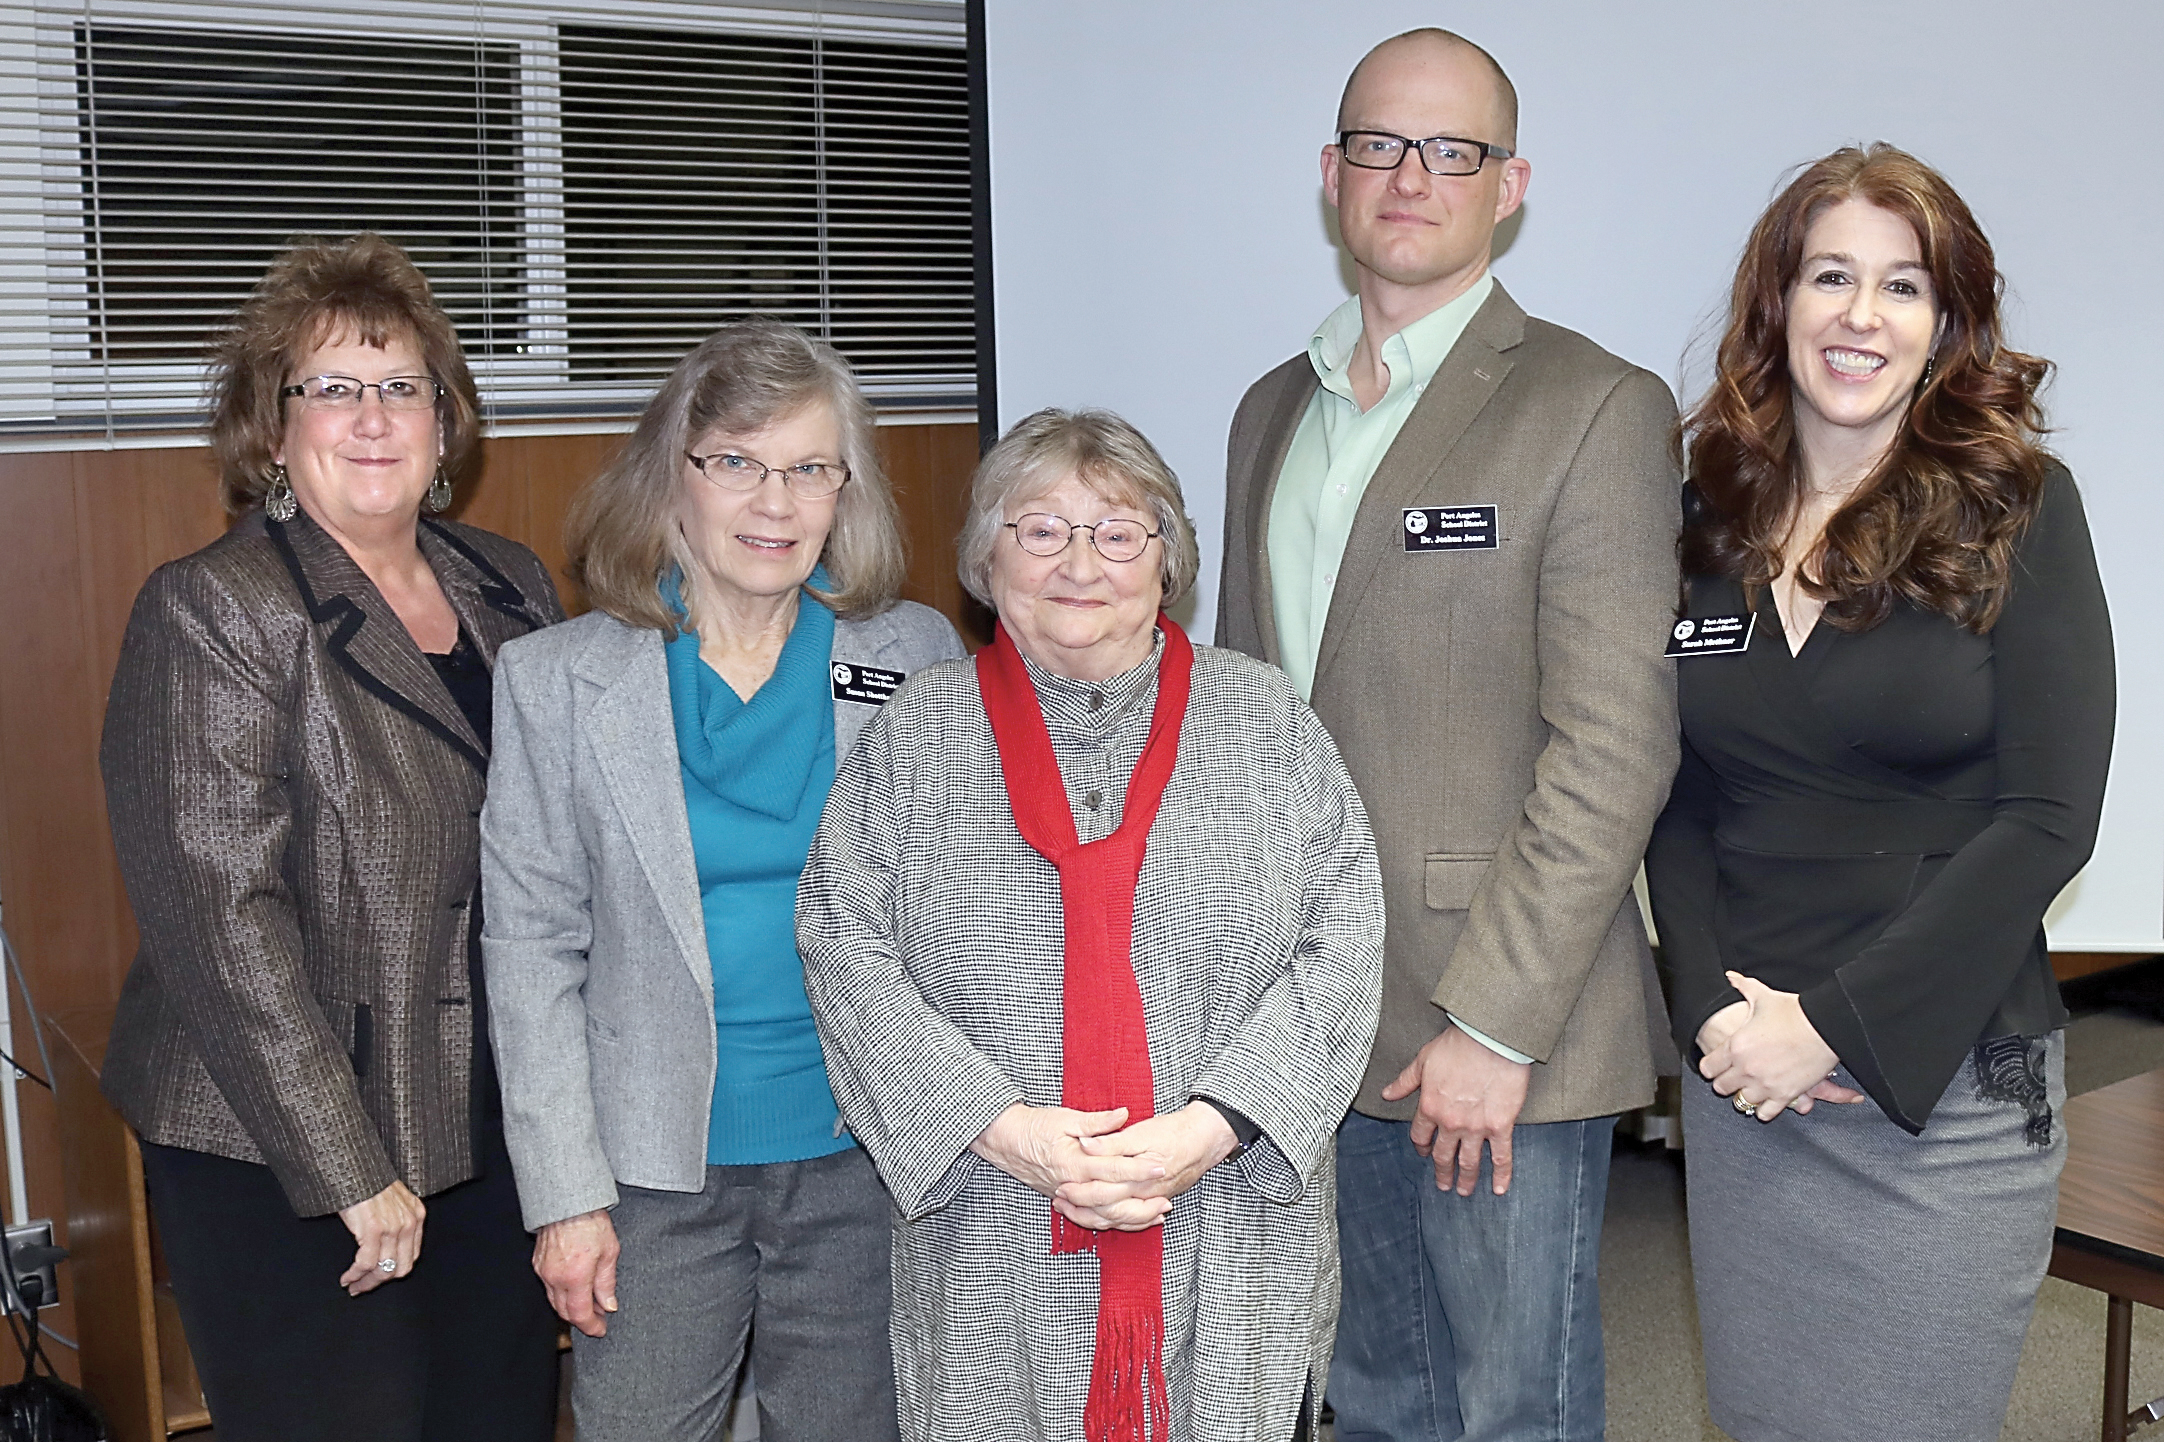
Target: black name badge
[(1450, 528), (1710, 635), (867, 685)]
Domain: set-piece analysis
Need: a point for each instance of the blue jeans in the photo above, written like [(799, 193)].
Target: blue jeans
[(1473, 1318)]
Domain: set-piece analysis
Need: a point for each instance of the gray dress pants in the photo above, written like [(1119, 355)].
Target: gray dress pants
[(789, 1258)]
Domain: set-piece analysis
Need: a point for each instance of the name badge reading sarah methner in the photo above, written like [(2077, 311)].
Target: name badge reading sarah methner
[(1710, 635), (866, 685), (1450, 528)]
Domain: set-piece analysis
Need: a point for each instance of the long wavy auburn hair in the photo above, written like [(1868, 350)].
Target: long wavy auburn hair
[(1936, 521)]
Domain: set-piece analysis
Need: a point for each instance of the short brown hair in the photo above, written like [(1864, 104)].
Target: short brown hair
[(623, 530), (1106, 454), (365, 287), (1936, 521)]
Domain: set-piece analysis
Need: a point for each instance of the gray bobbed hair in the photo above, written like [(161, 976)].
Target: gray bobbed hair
[(1106, 454)]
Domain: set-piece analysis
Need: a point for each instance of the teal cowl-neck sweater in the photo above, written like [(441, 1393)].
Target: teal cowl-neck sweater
[(756, 777)]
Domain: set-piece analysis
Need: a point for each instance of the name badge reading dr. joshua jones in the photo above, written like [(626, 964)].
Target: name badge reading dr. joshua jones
[(867, 685), (1710, 635), (1450, 528)]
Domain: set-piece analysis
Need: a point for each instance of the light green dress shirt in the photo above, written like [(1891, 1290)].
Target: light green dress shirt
[(1333, 456)]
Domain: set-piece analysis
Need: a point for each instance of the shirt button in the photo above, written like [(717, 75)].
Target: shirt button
[(1094, 800), (1097, 700), (1342, 488), (1330, 580)]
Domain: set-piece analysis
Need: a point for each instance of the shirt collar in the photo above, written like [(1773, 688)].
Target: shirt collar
[(1412, 356), (1096, 705)]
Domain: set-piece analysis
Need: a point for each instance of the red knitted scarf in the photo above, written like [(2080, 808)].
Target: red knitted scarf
[(1106, 1042)]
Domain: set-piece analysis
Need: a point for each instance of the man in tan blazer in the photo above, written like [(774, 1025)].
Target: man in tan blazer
[(1454, 527)]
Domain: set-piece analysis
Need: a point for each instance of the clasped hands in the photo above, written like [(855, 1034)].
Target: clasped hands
[(1098, 1171), (1765, 1050)]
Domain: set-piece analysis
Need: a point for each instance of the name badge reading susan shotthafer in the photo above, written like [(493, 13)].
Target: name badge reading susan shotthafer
[(1711, 635), (865, 685)]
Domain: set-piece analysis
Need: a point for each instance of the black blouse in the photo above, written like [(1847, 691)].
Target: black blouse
[(1880, 821), (466, 676)]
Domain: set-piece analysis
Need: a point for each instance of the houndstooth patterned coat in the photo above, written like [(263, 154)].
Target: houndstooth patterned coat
[(931, 936)]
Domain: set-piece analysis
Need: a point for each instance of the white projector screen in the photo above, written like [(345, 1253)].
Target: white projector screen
[(1657, 132)]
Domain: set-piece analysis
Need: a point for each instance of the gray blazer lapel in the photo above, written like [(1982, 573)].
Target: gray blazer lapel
[(1276, 442), (633, 734), (1461, 388)]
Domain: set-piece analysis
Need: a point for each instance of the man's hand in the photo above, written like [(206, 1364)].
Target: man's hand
[(576, 1260), (1468, 1095)]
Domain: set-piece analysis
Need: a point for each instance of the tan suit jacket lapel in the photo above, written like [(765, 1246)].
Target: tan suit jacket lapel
[(1460, 389), (1275, 445)]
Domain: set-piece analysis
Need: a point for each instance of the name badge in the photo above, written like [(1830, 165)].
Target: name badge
[(1451, 528), (1711, 635), (866, 685)]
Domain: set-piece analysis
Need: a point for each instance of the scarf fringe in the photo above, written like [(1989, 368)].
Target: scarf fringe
[(1127, 1401)]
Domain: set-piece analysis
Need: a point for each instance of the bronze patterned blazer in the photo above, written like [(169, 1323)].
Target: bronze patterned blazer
[(1505, 713), (295, 799)]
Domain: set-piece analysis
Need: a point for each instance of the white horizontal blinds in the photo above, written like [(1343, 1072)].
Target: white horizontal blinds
[(825, 182), (207, 150), (590, 187)]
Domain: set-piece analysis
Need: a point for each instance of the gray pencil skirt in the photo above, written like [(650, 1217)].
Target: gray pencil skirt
[(1858, 1284)]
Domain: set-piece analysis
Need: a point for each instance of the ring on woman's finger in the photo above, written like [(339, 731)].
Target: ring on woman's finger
[(388, 1264), (1749, 1109)]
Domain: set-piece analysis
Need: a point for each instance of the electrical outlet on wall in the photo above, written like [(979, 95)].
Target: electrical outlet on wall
[(33, 1265)]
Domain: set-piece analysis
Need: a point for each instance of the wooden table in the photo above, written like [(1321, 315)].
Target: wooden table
[(2111, 1218)]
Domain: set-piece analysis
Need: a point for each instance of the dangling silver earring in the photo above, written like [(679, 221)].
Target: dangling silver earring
[(1931, 363), (278, 502), (439, 492)]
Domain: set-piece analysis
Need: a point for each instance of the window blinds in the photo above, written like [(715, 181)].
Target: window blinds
[(590, 186)]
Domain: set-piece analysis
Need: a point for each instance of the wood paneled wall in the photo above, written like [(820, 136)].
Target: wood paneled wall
[(80, 530)]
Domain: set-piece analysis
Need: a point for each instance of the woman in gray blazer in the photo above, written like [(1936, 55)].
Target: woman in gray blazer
[(662, 763)]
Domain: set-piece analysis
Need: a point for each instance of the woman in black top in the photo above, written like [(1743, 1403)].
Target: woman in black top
[(1882, 790)]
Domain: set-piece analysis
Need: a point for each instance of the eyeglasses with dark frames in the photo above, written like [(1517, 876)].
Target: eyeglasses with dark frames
[(1047, 535), (1439, 154), (343, 393), (809, 480)]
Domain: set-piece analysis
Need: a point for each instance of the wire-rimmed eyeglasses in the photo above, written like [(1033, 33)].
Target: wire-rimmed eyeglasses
[(1047, 535), (1440, 154), (340, 393), (809, 480)]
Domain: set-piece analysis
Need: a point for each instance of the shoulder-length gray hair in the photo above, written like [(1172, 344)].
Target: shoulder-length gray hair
[(1106, 454), (623, 531)]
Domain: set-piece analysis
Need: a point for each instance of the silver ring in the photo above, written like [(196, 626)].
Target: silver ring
[(388, 1264), (1749, 1109)]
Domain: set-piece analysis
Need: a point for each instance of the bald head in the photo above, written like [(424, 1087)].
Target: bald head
[(1444, 58)]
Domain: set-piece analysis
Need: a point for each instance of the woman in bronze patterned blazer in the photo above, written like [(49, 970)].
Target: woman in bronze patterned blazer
[(295, 752)]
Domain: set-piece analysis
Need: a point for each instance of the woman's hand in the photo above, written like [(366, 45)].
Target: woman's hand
[(576, 1260), (386, 1227), (1183, 1144), (1775, 1059), (1722, 1025), (1041, 1147)]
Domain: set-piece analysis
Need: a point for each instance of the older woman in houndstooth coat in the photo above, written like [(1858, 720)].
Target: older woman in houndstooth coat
[(1093, 933)]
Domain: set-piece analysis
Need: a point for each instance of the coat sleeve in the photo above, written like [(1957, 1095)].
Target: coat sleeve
[(1607, 700), (536, 931), (195, 757), (1295, 1063), (1904, 1012), (913, 1088), (1682, 879)]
